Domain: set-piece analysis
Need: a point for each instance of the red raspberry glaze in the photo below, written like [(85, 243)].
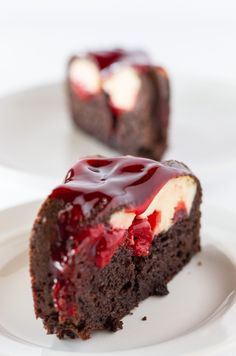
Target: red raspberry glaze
[(81, 91), (94, 188), (140, 236), (106, 59), (180, 211), (99, 184)]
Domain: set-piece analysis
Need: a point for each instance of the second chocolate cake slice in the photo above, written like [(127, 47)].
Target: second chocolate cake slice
[(122, 99), (115, 233)]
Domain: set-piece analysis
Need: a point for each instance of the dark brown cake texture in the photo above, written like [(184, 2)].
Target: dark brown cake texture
[(116, 232), (122, 99)]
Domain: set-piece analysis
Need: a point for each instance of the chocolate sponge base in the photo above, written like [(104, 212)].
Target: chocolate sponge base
[(105, 296)]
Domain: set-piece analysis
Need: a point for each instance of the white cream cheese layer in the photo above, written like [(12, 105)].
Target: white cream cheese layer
[(122, 85), (86, 74), (176, 190)]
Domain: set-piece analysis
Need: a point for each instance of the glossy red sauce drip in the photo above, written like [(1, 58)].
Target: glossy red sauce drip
[(180, 211), (102, 184), (81, 91), (115, 110), (140, 237), (61, 289), (154, 219), (95, 187), (106, 59)]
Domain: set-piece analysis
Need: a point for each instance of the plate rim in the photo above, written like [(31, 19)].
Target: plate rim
[(32, 207), (59, 84)]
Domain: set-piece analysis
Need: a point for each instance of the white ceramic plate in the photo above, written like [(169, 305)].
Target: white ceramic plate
[(37, 135), (198, 317)]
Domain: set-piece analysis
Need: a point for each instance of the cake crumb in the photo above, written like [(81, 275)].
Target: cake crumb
[(131, 313), (144, 318), (199, 263), (44, 220)]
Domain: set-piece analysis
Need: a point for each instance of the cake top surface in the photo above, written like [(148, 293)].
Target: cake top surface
[(105, 184), (109, 58)]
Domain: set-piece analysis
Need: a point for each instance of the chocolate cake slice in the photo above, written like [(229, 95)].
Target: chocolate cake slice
[(116, 232), (122, 99)]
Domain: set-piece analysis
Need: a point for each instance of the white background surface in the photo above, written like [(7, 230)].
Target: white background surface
[(188, 36), (192, 38)]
